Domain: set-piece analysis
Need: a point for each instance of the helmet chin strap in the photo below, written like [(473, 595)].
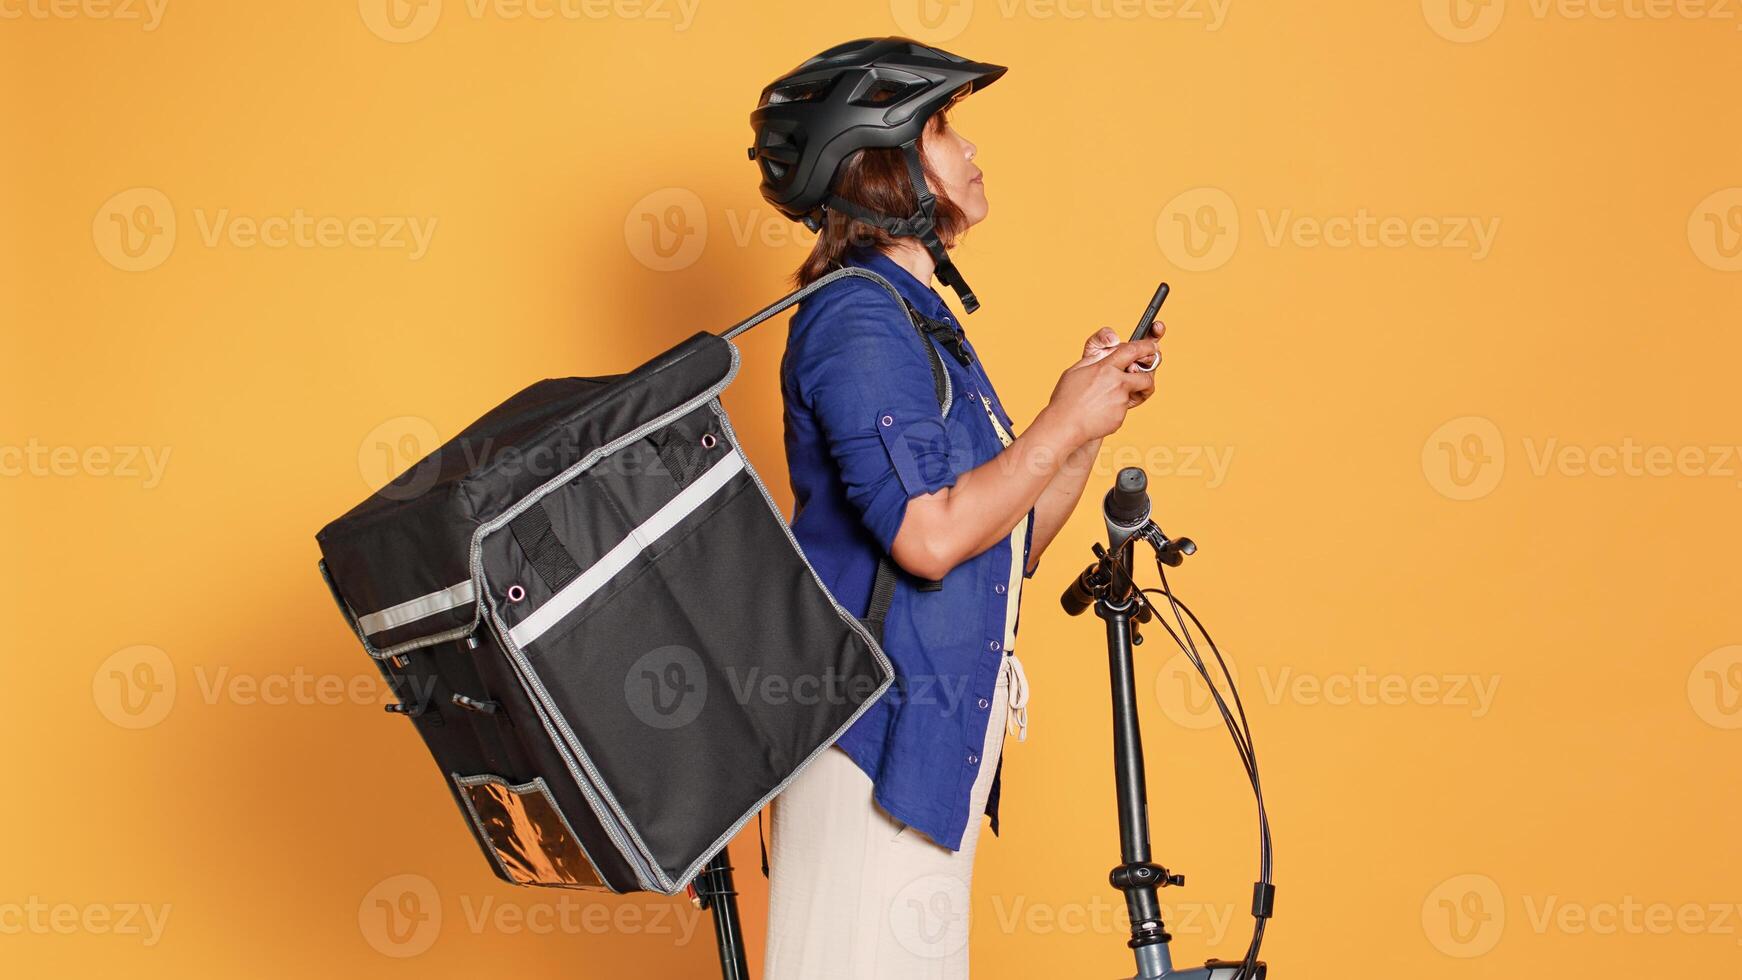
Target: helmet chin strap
[(922, 224)]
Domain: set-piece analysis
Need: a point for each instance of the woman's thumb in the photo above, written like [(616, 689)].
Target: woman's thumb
[(1097, 346)]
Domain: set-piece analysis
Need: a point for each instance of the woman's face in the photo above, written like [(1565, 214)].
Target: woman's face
[(951, 158)]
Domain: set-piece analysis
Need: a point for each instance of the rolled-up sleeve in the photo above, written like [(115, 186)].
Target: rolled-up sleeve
[(857, 363)]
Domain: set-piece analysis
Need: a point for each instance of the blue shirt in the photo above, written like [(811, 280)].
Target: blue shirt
[(863, 436)]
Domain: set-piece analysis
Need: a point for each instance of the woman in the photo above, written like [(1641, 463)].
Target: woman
[(873, 844)]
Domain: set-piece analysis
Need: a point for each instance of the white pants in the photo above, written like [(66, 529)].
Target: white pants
[(856, 895)]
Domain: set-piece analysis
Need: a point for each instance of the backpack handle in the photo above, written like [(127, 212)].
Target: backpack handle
[(799, 295)]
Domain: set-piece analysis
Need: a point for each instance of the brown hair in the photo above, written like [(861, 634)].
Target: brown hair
[(875, 178)]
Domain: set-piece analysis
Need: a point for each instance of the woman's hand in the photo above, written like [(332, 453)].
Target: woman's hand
[(941, 529), (1093, 395), (1105, 340)]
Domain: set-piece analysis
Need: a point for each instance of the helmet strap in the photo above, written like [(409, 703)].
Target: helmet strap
[(922, 224)]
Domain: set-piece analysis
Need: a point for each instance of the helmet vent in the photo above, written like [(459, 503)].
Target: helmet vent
[(808, 91), (777, 153), (885, 86), (883, 92)]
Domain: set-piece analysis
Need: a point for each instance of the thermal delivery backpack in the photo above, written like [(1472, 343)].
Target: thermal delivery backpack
[(597, 619)]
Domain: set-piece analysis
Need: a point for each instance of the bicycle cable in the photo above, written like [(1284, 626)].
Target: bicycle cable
[(1264, 890)]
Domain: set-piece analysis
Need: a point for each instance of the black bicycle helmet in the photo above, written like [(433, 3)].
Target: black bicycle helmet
[(873, 92)]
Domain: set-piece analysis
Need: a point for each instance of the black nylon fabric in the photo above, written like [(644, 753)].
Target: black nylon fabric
[(700, 673), (725, 688), (410, 538), (680, 456)]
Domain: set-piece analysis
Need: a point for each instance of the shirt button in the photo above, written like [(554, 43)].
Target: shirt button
[(994, 646), (999, 588), (984, 704), (887, 420), (973, 760)]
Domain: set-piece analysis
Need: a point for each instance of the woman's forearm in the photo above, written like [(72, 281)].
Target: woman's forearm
[(940, 530), (943, 529), (1060, 498)]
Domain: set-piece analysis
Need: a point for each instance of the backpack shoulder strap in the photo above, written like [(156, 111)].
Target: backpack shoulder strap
[(940, 378)]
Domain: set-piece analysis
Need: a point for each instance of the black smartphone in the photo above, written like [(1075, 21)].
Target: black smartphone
[(1149, 312)]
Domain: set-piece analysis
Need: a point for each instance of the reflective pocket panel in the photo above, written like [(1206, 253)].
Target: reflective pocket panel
[(528, 834)]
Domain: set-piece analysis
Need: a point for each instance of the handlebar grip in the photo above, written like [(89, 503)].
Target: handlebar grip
[(1128, 501)]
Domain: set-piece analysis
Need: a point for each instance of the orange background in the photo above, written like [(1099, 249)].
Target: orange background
[(169, 641)]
